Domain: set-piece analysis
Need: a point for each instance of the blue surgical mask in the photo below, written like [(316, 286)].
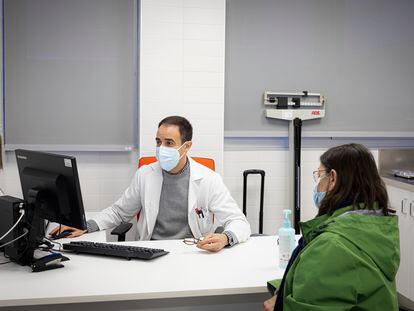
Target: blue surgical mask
[(318, 196), (168, 157)]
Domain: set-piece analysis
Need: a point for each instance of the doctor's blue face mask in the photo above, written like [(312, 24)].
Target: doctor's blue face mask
[(168, 157)]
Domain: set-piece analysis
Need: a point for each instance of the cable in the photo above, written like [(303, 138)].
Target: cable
[(2, 192), (14, 226), (19, 237), (54, 243), (47, 225)]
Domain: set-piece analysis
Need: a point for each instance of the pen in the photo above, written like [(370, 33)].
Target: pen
[(199, 212)]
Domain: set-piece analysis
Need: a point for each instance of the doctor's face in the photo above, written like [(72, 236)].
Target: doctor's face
[(168, 136)]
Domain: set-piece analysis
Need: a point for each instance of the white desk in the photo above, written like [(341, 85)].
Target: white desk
[(186, 272)]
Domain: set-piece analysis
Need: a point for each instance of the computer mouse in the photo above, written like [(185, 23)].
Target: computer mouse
[(61, 235)]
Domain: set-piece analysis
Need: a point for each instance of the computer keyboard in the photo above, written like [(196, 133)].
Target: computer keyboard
[(107, 249)]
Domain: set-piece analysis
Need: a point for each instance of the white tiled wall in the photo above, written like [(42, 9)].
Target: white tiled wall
[(275, 165), (103, 176), (182, 71)]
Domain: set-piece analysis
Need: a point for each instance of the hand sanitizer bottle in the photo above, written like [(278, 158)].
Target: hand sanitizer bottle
[(286, 240)]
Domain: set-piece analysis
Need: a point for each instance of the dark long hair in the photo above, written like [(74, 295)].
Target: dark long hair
[(358, 180)]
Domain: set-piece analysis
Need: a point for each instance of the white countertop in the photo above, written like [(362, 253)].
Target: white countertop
[(186, 272), (399, 183)]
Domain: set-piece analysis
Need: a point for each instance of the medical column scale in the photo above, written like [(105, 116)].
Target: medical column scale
[(295, 108)]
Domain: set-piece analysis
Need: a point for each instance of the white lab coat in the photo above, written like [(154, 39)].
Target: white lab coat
[(206, 192)]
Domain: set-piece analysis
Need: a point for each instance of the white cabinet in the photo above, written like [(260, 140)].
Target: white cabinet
[(403, 202)]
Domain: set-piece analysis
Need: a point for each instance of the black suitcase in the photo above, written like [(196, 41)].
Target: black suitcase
[(262, 174)]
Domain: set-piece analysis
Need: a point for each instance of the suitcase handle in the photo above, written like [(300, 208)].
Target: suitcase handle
[(246, 173)]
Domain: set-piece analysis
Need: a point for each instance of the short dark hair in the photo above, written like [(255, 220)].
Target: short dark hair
[(185, 127), (358, 179)]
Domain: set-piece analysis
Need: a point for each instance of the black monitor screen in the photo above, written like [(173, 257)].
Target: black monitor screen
[(50, 183)]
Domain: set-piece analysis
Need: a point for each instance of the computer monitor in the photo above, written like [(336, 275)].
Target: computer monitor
[(50, 186)]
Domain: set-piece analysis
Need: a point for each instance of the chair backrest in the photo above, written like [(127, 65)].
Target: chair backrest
[(204, 161)]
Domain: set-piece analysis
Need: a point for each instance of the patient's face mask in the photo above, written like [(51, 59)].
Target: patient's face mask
[(168, 157), (318, 196)]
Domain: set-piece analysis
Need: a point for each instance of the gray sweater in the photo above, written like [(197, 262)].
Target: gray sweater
[(172, 219)]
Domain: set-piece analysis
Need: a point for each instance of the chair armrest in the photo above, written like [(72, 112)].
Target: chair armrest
[(121, 230)]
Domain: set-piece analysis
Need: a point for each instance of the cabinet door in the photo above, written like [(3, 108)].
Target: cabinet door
[(400, 200), (410, 244)]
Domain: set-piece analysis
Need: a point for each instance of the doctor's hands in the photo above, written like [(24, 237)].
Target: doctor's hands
[(73, 232), (213, 242)]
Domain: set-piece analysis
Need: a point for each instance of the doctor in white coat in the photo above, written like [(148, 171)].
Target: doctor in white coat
[(156, 188)]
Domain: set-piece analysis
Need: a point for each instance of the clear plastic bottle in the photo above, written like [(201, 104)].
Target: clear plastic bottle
[(286, 240)]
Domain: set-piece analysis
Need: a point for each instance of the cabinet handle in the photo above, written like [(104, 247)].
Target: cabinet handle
[(403, 201), (411, 208)]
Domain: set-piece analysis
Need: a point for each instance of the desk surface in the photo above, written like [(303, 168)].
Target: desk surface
[(186, 272)]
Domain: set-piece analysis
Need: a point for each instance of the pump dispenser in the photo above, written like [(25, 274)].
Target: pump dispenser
[(286, 240)]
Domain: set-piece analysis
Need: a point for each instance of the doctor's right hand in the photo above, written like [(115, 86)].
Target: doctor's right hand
[(213, 242), (73, 232)]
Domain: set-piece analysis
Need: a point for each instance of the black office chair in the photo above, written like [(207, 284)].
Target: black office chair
[(121, 231)]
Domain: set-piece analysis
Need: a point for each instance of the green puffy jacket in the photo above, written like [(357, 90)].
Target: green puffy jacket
[(349, 263)]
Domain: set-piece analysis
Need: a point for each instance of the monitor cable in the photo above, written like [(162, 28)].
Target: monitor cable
[(18, 238), (17, 222)]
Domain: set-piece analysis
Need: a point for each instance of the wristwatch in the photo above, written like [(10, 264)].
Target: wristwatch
[(230, 238)]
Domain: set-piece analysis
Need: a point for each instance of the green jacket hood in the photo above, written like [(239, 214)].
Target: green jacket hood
[(375, 235)]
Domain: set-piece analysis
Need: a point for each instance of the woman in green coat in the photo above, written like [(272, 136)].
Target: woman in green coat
[(348, 255)]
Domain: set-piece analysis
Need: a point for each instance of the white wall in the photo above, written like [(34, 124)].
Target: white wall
[(104, 176), (275, 164), (182, 71), (182, 66)]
